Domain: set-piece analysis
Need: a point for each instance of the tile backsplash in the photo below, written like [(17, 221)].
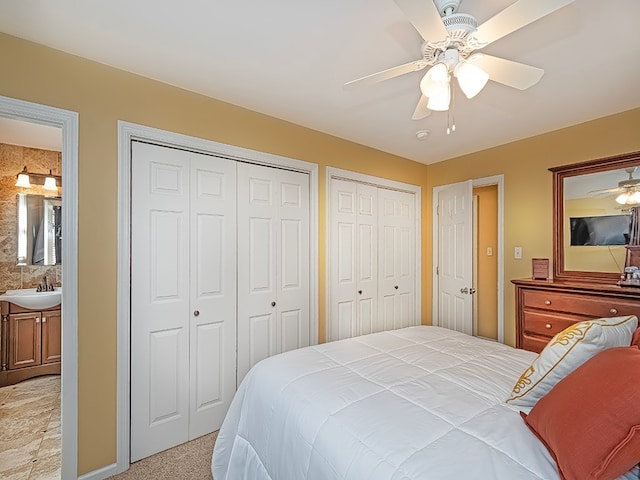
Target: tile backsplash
[(12, 160)]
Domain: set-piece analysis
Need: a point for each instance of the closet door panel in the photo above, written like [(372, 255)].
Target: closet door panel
[(212, 312), (292, 254), (273, 263), (159, 299), (343, 260), (397, 276), (367, 254)]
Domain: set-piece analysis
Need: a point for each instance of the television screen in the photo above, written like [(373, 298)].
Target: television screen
[(604, 230)]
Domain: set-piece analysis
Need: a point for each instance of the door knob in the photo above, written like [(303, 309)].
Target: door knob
[(464, 290), (396, 287), (360, 292), (273, 304), (196, 313)]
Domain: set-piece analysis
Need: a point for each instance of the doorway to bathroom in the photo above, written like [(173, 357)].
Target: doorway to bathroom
[(39, 396)]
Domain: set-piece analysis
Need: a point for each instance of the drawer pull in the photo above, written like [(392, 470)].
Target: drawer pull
[(547, 302), (613, 311), (548, 326)]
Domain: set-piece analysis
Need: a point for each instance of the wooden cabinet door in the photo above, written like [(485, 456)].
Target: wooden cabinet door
[(51, 336), (24, 338)]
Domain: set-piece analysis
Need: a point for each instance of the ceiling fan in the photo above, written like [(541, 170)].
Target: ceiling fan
[(450, 43), (628, 189)]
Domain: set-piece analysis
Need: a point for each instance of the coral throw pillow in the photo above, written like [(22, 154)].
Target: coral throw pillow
[(567, 351), (635, 340), (590, 421)]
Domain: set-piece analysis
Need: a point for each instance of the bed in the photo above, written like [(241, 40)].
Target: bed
[(415, 403)]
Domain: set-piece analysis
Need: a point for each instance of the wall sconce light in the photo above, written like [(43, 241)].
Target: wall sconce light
[(23, 179), (48, 181)]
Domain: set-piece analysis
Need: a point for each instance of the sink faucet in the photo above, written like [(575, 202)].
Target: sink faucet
[(44, 286)]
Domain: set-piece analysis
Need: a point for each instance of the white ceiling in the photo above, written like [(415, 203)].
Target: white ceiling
[(290, 58), (26, 134)]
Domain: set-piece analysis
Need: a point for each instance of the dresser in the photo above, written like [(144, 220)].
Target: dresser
[(546, 307)]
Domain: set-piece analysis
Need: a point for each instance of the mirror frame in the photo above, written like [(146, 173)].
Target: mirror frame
[(559, 174)]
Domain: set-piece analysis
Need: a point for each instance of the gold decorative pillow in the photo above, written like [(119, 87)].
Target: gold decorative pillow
[(567, 351)]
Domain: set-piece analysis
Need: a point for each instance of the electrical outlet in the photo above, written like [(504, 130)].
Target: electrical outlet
[(517, 253)]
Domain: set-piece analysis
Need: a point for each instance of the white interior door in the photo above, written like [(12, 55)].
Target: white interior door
[(354, 259), (273, 263), (455, 282), (182, 296), (397, 259), (212, 346)]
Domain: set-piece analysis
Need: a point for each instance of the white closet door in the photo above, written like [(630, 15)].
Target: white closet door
[(159, 299), (273, 263), (353, 309), (397, 259), (183, 262), (212, 349)]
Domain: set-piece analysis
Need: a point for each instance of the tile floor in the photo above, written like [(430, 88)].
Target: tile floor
[(30, 429)]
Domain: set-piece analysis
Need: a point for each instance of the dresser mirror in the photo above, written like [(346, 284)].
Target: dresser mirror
[(592, 202)]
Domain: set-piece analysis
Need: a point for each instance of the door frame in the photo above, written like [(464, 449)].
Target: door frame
[(67, 121), (128, 132), (340, 174), (478, 182)]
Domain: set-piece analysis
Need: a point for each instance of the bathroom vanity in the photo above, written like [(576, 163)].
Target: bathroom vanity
[(30, 337)]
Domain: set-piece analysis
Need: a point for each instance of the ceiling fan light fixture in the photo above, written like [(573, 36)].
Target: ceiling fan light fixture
[(435, 81), (440, 101), (471, 78)]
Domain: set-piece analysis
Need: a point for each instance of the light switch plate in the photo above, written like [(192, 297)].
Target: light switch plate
[(517, 253)]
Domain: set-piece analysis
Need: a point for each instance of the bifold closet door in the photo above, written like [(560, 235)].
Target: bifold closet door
[(183, 295), (397, 256), (273, 263), (354, 259)]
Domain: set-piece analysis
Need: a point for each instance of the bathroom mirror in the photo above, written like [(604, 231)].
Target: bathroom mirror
[(39, 229), (592, 202)]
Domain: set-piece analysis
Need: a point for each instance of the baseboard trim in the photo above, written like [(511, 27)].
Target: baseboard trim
[(101, 473)]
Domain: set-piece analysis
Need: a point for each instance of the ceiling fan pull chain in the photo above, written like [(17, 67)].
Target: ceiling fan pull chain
[(451, 113)]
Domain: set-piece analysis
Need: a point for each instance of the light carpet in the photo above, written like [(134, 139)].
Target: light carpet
[(189, 461)]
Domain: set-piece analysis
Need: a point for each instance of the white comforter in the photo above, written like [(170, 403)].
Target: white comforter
[(409, 404)]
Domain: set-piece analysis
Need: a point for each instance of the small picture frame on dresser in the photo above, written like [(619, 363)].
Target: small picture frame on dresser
[(540, 268)]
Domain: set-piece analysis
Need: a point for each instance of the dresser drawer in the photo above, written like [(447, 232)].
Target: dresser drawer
[(533, 344), (590, 306), (547, 324)]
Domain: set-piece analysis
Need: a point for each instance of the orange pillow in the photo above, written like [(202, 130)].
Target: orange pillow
[(635, 340), (590, 420)]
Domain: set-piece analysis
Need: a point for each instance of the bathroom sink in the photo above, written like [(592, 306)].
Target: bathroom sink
[(30, 298)]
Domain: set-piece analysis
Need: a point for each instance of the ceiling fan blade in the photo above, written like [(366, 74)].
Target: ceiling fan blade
[(515, 16), (387, 74), (512, 74), (424, 16), (421, 110), (606, 191)]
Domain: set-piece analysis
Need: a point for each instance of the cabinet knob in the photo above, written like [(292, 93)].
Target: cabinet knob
[(547, 302), (548, 326), (196, 313), (273, 304), (613, 311)]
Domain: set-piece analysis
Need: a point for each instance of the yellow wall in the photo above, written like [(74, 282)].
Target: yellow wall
[(487, 286), (102, 96), (528, 204)]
